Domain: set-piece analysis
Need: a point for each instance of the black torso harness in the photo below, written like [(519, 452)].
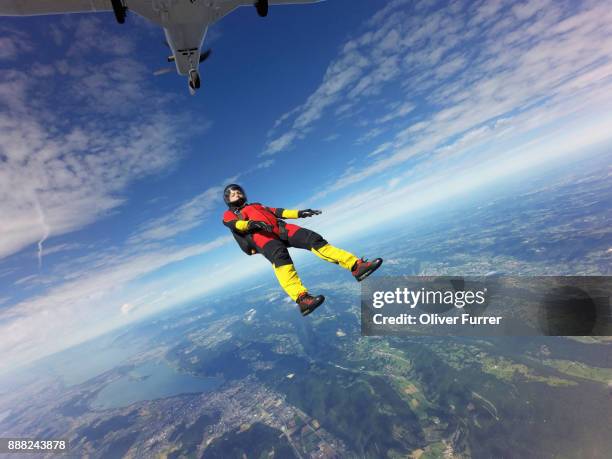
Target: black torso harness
[(245, 241)]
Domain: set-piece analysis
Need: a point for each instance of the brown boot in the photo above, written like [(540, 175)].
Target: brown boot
[(363, 268), (309, 303)]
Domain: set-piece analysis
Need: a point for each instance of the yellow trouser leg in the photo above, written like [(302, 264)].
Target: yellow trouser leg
[(335, 255), (289, 280)]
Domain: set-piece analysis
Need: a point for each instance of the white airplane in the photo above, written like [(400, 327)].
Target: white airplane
[(185, 22)]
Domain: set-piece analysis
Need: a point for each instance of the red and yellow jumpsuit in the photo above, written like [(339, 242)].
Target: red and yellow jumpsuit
[(273, 245)]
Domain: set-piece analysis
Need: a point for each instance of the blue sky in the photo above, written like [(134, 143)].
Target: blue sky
[(111, 177)]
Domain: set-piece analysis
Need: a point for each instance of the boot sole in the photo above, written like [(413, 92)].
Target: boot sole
[(312, 308), (367, 273)]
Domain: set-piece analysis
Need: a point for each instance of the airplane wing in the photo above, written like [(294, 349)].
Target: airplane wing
[(143, 7), (286, 2), (40, 7), (35, 7), (224, 7)]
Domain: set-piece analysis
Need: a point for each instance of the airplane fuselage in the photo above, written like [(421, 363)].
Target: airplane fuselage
[(185, 22), (185, 41)]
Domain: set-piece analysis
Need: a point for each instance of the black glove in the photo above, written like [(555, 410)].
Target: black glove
[(259, 226), (308, 213)]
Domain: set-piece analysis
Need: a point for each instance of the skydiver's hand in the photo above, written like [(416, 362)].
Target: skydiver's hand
[(259, 226), (308, 213)]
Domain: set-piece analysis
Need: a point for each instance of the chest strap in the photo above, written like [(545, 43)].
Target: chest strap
[(282, 228)]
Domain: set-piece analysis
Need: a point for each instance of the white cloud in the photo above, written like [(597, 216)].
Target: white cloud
[(64, 247), (185, 217), (86, 39), (26, 279), (383, 13), (381, 148), (535, 73), (404, 194), (85, 305), (126, 308), (483, 78), (65, 162), (517, 78), (394, 182), (72, 182), (331, 137), (470, 63), (56, 34), (402, 110), (14, 43), (339, 75), (370, 135), (280, 143)]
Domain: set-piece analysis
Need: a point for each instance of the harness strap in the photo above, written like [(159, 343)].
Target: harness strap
[(238, 213), (284, 234)]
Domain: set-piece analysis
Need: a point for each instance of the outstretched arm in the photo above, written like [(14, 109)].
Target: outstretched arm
[(293, 213)]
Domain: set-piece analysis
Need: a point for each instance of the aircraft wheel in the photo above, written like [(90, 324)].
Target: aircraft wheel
[(119, 10), (194, 79), (262, 8)]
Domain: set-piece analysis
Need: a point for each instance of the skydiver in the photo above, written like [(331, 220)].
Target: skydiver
[(261, 229)]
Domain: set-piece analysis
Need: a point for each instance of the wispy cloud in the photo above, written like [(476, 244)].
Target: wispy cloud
[(91, 303), (26, 279), (45, 229), (338, 77), (14, 43), (185, 217), (383, 13), (369, 135), (65, 163), (406, 193), (459, 78), (462, 68), (398, 110), (77, 177), (64, 247)]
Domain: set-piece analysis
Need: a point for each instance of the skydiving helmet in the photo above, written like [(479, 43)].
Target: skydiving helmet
[(226, 195)]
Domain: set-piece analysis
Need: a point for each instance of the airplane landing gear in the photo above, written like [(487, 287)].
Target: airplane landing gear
[(120, 10), (262, 8), (194, 81)]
